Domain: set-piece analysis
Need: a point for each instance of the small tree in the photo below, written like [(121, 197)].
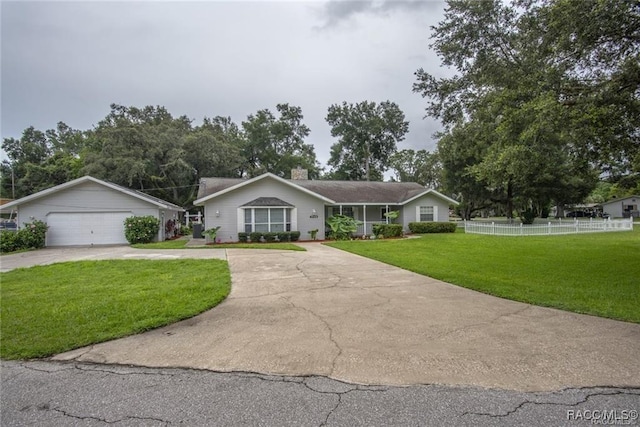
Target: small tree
[(141, 229), (212, 233)]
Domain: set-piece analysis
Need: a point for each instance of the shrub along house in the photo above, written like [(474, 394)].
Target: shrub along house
[(268, 203)]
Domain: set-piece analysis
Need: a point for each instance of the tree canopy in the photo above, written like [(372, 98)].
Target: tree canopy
[(546, 92), (150, 150), (369, 134)]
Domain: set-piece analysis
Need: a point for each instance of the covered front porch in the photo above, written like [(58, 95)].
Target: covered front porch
[(368, 214)]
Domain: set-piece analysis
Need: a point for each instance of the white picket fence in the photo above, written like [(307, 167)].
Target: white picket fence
[(550, 228)]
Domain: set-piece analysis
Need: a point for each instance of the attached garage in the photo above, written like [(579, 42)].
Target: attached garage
[(89, 211)]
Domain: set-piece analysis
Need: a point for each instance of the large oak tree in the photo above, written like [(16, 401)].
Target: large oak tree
[(369, 134)]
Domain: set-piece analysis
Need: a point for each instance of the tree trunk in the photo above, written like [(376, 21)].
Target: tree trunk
[(510, 202), (366, 161)]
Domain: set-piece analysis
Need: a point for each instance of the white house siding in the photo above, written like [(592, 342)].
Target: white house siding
[(409, 210), (228, 204), (87, 197)]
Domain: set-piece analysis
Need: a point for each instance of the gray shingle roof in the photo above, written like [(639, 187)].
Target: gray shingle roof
[(363, 191), (338, 191), (267, 201), (214, 185)]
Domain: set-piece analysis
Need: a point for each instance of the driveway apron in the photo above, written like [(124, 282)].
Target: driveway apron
[(331, 313)]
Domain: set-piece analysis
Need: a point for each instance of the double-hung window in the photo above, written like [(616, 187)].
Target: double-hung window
[(426, 213)]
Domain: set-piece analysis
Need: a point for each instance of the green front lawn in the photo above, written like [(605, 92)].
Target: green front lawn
[(51, 309), (596, 273)]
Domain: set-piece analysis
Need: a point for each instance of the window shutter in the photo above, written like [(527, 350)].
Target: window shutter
[(435, 213), (294, 219), (417, 213), (240, 225)]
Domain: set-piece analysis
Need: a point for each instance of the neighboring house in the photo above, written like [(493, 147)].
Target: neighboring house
[(89, 211), (622, 208), (271, 203)]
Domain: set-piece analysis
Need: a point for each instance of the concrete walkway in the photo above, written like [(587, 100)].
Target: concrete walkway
[(330, 313)]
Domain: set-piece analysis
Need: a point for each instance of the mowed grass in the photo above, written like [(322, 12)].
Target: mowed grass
[(51, 309), (180, 244), (597, 273)]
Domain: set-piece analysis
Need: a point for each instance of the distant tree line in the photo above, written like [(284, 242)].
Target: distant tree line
[(150, 150)]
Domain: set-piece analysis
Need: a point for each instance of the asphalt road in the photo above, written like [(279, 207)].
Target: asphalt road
[(44, 393)]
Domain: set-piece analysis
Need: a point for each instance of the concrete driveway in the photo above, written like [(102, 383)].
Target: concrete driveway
[(330, 313), (53, 255)]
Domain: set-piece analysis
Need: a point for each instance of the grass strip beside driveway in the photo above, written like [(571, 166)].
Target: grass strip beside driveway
[(590, 273), (51, 309), (180, 244)]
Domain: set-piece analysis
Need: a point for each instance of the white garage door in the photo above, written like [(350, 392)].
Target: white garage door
[(88, 228)]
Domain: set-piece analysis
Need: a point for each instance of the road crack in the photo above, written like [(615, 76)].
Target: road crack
[(584, 400)]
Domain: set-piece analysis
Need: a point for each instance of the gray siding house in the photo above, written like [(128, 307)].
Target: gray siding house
[(270, 203), (88, 211), (623, 208)]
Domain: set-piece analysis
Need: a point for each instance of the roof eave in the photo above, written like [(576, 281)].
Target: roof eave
[(435, 193), (81, 180)]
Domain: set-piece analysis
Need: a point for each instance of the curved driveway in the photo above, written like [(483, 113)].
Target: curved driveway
[(331, 313)]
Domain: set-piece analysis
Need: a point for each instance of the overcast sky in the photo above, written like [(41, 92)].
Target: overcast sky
[(68, 61)]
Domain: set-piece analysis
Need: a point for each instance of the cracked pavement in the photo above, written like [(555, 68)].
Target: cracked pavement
[(48, 393), (328, 313)]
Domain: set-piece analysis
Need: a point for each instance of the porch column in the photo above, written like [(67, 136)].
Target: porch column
[(340, 209), (364, 218), (386, 217)]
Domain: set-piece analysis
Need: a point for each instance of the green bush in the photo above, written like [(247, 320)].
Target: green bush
[(527, 216), (269, 237), (141, 229), (387, 230), (284, 236), (31, 236), (255, 236), (432, 227), (9, 241)]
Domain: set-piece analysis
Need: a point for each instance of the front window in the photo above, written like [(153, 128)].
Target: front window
[(426, 213), (267, 220)]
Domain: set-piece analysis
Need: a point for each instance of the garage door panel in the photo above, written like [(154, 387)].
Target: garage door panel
[(86, 228)]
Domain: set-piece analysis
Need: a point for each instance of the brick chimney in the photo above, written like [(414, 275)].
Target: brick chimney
[(299, 173)]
